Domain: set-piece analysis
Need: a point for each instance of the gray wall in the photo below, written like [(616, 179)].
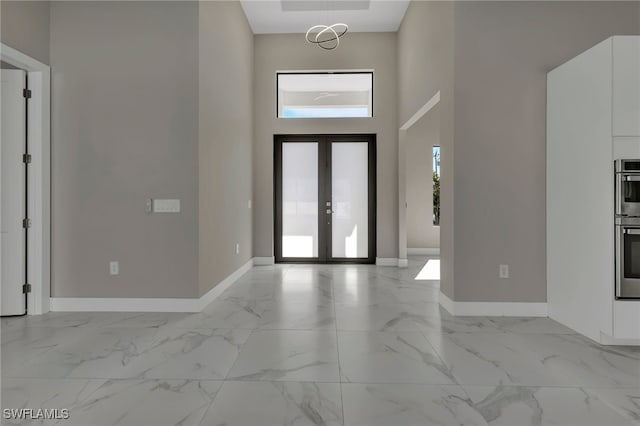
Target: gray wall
[(226, 136), (420, 140), (124, 128), (358, 51), (502, 53), (425, 66), (25, 27)]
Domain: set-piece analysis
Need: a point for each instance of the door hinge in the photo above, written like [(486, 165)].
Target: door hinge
[(26, 158), (26, 288), (26, 223), (26, 93)]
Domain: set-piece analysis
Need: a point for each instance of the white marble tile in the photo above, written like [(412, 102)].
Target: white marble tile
[(417, 292), (250, 290), (29, 345), (390, 357), (284, 336), (59, 320), (192, 354), (226, 314), (102, 353), (45, 394), (363, 294), (352, 275), (523, 406), (491, 358), (529, 325), (144, 319), (407, 405), (151, 353), (443, 322), (624, 401), (392, 317), (293, 314), (289, 355), (275, 404), (578, 361), (146, 402), (274, 314)]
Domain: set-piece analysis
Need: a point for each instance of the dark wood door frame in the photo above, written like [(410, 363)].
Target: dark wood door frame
[(324, 193)]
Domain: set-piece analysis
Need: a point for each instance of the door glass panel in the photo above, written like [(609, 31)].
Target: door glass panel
[(350, 200), (631, 256), (631, 192), (300, 200)]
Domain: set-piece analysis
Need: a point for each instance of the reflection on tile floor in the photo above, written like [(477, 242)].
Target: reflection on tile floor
[(316, 345)]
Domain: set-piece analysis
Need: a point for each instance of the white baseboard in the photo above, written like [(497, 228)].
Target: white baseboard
[(386, 261), (493, 309), (121, 304), (263, 261), (605, 339), (216, 291), (446, 303), (118, 304), (403, 263)]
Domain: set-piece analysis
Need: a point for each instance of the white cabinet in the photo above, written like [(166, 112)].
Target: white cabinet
[(593, 117), (626, 319), (626, 86), (580, 261)]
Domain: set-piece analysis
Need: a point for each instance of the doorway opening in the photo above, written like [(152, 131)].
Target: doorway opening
[(325, 198), (419, 162)]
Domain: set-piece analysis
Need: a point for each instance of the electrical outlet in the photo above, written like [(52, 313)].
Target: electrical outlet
[(503, 271), (249, 204), (114, 268), (237, 248)]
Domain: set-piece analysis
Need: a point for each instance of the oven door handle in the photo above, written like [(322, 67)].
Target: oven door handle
[(631, 231), (632, 178), (619, 252)]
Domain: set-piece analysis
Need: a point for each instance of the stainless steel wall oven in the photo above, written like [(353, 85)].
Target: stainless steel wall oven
[(627, 229)]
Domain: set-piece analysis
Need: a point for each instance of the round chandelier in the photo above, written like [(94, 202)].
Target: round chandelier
[(326, 36)]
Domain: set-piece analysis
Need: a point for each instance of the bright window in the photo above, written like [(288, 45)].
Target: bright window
[(436, 185), (325, 95)]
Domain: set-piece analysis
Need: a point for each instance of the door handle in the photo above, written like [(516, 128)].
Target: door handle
[(329, 211)]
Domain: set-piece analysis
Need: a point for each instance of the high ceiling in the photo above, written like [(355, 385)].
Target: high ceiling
[(296, 16)]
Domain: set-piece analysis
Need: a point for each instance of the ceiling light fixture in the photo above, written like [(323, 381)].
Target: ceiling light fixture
[(327, 36)]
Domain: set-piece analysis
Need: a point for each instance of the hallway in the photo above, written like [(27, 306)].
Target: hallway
[(317, 345)]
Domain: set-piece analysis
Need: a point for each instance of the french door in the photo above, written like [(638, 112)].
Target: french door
[(325, 198)]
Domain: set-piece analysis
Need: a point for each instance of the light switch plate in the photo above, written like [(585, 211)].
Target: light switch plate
[(114, 267), (166, 206), (503, 271)]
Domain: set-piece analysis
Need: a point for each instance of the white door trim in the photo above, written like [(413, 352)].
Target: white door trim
[(39, 186)]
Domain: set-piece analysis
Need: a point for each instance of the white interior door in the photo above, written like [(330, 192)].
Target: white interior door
[(12, 192)]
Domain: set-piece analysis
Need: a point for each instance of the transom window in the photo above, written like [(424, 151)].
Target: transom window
[(338, 94)]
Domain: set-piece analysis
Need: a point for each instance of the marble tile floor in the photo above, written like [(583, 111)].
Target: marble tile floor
[(297, 345)]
